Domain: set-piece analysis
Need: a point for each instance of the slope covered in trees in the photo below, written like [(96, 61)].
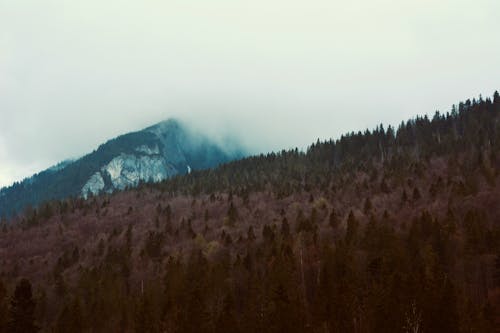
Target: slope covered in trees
[(382, 231), (157, 152)]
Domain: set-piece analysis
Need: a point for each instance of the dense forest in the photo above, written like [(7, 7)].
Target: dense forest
[(389, 230)]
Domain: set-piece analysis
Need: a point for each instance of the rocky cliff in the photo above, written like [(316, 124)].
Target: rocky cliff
[(156, 153)]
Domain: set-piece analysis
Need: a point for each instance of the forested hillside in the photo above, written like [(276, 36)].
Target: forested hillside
[(389, 230), (152, 154)]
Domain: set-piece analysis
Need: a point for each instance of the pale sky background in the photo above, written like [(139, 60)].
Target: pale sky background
[(278, 74)]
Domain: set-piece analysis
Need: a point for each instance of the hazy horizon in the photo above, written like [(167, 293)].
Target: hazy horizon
[(276, 74)]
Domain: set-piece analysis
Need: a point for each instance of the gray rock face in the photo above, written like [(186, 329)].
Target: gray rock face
[(94, 185), (127, 170), (156, 153), (172, 152)]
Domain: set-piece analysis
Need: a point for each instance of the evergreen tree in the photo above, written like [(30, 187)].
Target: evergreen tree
[(333, 220), (368, 206), (3, 308), (22, 309), (250, 234), (70, 319), (496, 98), (416, 194), (144, 321), (227, 321), (232, 214), (285, 228), (404, 197), (281, 318), (352, 228), (496, 274)]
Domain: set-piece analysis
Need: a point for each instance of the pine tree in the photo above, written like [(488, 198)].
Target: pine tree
[(250, 234), (416, 194), (168, 220), (267, 233), (232, 214), (448, 313), (281, 318), (143, 315), (3, 308), (496, 273), (285, 228), (128, 240), (384, 187), (70, 319), (404, 197), (352, 228), (496, 98), (22, 309), (368, 206), (333, 220), (227, 321)]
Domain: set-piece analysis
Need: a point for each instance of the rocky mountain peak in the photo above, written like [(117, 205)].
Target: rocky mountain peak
[(153, 154)]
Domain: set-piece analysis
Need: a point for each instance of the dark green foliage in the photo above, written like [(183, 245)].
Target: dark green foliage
[(384, 187), (476, 232), (496, 274), (232, 214), (303, 224), (144, 316), (68, 259), (250, 234), (3, 308), (333, 220), (285, 228), (352, 228), (71, 318), (368, 206), (414, 142), (404, 197), (268, 233), (68, 181), (226, 322), (416, 194), (153, 245), (281, 316), (425, 258), (22, 309)]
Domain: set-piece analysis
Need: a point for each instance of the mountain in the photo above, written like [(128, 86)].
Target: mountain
[(390, 223), (153, 154)]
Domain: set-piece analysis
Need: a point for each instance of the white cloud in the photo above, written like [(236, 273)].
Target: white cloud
[(278, 73)]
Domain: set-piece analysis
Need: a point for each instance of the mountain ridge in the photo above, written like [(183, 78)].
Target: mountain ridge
[(154, 153), (387, 223)]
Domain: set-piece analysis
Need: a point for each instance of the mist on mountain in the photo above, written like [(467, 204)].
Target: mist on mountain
[(155, 153)]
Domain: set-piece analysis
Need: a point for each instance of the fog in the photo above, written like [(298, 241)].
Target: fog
[(276, 74)]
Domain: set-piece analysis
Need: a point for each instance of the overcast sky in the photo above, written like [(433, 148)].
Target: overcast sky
[(279, 74)]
